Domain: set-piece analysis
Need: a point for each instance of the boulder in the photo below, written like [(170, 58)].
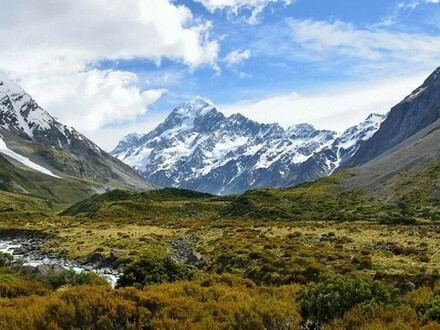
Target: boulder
[(45, 270), (196, 259), (95, 257), (19, 251), (115, 254)]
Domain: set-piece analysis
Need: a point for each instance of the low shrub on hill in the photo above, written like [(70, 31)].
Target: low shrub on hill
[(151, 270)]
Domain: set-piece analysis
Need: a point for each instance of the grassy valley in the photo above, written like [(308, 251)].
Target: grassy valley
[(244, 169), (318, 255)]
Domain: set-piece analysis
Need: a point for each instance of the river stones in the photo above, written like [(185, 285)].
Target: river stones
[(46, 270)]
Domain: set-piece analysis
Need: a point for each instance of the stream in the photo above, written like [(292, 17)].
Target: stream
[(28, 250)]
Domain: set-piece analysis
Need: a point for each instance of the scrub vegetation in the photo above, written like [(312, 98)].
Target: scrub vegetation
[(311, 257)]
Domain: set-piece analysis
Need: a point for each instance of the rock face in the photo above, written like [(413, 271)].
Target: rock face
[(414, 113), (32, 139), (199, 148), (406, 145), (411, 156)]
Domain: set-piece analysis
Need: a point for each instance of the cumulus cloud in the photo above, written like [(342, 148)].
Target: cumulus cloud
[(235, 6), (77, 32), (335, 108), (93, 99), (52, 47)]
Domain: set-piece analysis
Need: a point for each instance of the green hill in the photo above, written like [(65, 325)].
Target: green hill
[(168, 202), (414, 196)]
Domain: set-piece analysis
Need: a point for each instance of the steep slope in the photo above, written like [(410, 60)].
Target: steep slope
[(198, 148), (405, 152), (34, 142), (409, 161), (19, 178), (414, 113)]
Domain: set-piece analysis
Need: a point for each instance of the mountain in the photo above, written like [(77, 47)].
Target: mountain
[(406, 145), (342, 149), (412, 164), (199, 148), (417, 111), (41, 156)]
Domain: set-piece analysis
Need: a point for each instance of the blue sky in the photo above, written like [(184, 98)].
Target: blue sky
[(330, 63)]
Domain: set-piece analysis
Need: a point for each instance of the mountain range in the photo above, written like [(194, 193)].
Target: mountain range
[(388, 167), (41, 156), (197, 147)]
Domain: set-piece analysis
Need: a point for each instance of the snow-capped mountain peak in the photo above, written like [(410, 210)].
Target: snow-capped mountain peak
[(20, 114), (375, 117), (303, 131), (19, 110), (30, 137), (351, 140), (127, 141), (197, 106), (199, 148)]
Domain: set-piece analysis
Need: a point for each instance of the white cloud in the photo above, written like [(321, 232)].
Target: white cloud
[(109, 137), (49, 35), (93, 99), (51, 47), (343, 39), (237, 57), (336, 108), (402, 9), (413, 4), (235, 6)]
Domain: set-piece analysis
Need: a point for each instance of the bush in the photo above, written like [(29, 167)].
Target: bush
[(151, 270), (431, 309), (332, 298), (71, 277), (223, 303), (396, 218), (6, 259), (12, 285)]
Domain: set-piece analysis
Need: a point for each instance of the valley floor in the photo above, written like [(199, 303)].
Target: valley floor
[(245, 274)]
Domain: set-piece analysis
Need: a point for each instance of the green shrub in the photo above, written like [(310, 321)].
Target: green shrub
[(396, 218), (431, 309), (332, 298), (71, 277), (151, 270), (6, 259)]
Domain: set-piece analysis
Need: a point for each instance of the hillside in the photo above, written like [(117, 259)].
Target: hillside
[(412, 163), (330, 199), (416, 112), (41, 156)]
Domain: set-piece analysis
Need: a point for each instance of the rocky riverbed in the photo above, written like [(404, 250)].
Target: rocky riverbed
[(27, 246), (184, 252)]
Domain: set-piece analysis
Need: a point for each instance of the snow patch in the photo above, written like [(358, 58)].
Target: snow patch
[(23, 160), (416, 93)]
